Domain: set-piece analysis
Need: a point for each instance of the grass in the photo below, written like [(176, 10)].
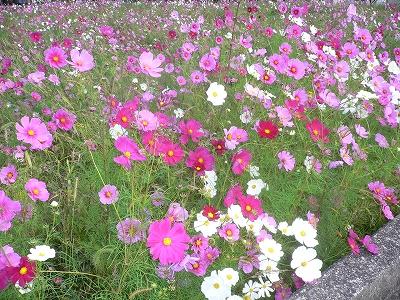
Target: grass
[(91, 261)]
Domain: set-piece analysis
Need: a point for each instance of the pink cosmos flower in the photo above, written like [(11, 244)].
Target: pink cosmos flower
[(342, 69), (8, 210), (8, 174), (200, 160), (318, 131), (191, 129), (106, 30), (176, 213), (278, 62), (108, 194), (82, 61), (233, 195), (124, 117), (350, 50), (295, 68), (363, 35), (34, 132), (286, 161), (146, 120), (168, 243), (370, 245), (240, 161), (35, 36), (55, 57), (198, 266), (207, 62), (64, 119), (345, 155), (53, 78), (171, 153), (381, 140), (199, 243), (8, 258), (251, 207), (37, 190), (361, 131), (24, 273), (234, 136), (149, 65), (130, 152), (130, 231), (229, 232)]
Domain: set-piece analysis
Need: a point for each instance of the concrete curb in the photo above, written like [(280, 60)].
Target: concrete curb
[(364, 276)]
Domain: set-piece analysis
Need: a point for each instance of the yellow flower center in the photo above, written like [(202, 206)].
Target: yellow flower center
[(229, 232), (304, 264), (170, 153), (229, 276), (108, 194), (56, 58), (229, 137), (9, 175), (190, 131), (62, 120), (31, 132), (200, 160), (145, 123), (214, 94), (267, 131), (127, 154), (303, 233), (124, 119), (271, 250), (210, 215), (167, 241), (293, 69), (315, 131), (216, 285), (35, 192), (248, 207), (23, 270)]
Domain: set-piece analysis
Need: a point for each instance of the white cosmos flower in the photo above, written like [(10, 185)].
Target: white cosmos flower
[(271, 249), (117, 130), (307, 266), (205, 226), (41, 253), (265, 288), (255, 186), (26, 289), (254, 226), (216, 94), (313, 29), (285, 228), (304, 232), (214, 287), (251, 289), (393, 68), (269, 267), (246, 117), (179, 113), (235, 213), (229, 275)]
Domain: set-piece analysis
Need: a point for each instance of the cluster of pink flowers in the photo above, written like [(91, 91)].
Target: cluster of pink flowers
[(385, 196)]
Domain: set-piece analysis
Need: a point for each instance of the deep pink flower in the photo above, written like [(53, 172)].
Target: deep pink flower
[(286, 161), (8, 174), (130, 152), (171, 153), (370, 245), (35, 36), (240, 161), (106, 30), (24, 273), (82, 61), (251, 207), (108, 194), (318, 131), (233, 195), (34, 131), (191, 129), (168, 243), (55, 57), (200, 160), (150, 65), (64, 119), (37, 190), (353, 245), (124, 117)]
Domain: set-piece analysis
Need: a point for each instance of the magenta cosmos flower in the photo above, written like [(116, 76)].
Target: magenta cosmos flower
[(108, 194), (34, 132), (129, 231), (286, 161), (149, 65), (24, 273), (251, 207), (8, 174), (192, 129), (200, 160), (82, 61), (64, 119), (240, 161), (171, 153), (167, 242), (8, 210), (130, 152), (55, 57), (37, 190)]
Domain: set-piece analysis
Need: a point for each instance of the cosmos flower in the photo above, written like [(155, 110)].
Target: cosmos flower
[(108, 194), (64, 119), (150, 65), (191, 129), (41, 253), (286, 161), (307, 266), (167, 242), (251, 207), (240, 161), (200, 160), (82, 61), (130, 152), (318, 131), (55, 57), (37, 190), (34, 132), (216, 94), (24, 273), (8, 174), (267, 129), (130, 231)]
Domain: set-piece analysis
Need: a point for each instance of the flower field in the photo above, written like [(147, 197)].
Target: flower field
[(200, 150)]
